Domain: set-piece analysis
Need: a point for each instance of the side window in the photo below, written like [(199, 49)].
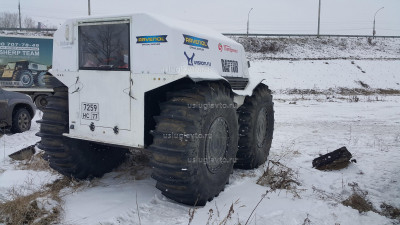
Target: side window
[(104, 47), (10, 66)]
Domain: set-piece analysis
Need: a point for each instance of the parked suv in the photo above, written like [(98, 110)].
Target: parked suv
[(16, 111)]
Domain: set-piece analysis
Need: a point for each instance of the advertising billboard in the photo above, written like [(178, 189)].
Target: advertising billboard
[(24, 60)]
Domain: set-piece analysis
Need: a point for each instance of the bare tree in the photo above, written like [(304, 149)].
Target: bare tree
[(29, 23), (11, 20), (8, 20)]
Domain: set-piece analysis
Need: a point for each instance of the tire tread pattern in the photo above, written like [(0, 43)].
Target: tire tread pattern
[(249, 156), (176, 177)]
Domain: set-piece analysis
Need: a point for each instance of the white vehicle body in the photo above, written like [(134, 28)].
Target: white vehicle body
[(161, 51), (36, 67)]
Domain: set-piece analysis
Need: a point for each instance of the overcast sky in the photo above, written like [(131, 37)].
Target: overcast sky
[(267, 16)]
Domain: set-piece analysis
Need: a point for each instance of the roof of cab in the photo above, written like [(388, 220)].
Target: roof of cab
[(167, 21)]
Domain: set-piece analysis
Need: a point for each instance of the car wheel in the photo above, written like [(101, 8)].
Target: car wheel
[(41, 101), (21, 121)]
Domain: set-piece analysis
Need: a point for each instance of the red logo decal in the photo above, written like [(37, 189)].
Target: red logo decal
[(220, 47), (226, 48)]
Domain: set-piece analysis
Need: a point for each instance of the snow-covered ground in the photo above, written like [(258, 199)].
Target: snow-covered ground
[(320, 48), (306, 129), (370, 130), (305, 126), (325, 74)]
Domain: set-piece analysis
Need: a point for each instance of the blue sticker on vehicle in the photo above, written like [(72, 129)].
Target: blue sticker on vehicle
[(192, 62), (151, 39), (195, 41)]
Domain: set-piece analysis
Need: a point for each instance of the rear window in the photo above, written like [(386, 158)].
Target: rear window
[(104, 47)]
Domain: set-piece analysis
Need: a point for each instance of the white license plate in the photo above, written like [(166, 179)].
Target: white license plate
[(90, 111)]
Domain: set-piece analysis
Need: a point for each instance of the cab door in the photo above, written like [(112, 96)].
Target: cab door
[(104, 72)]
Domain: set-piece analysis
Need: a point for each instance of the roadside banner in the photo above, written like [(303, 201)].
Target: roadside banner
[(24, 60)]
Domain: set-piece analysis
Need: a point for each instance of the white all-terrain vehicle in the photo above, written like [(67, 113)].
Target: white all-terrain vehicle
[(180, 90)]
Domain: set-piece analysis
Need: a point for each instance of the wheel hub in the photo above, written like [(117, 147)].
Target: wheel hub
[(216, 144), (23, 121), (43, 102), (25, 79), (261, 129)]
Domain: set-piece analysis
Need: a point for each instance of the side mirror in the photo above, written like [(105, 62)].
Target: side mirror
[(248, 64)]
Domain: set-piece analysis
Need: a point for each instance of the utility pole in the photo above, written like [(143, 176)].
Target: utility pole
[(89, 7), (19, 13), (248, 17), (319, 16), (373, 28)]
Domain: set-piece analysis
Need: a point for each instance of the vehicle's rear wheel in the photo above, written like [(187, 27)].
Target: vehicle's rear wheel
[(39, 80), (195, 143), (256, 126), (74, 158), (41, 101), (21, 121), (25, 77)]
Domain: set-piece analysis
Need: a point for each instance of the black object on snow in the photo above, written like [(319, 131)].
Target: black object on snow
[(25, 153), (335, 160)]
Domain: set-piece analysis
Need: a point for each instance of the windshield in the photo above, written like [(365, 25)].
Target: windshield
[(104, 47), (10, 66)]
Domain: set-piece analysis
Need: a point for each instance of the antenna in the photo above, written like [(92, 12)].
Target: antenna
[(89, 7), (19, 13), (319, 16)]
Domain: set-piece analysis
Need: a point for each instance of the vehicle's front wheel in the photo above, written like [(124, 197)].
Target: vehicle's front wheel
[(71, 157), (195, 143), (25, 77), (21, 121)]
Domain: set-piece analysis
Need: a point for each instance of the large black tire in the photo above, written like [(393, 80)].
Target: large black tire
[(256, 127), (25, 76), (21, 121), (73, 158), (39, 79), (192, 169)]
